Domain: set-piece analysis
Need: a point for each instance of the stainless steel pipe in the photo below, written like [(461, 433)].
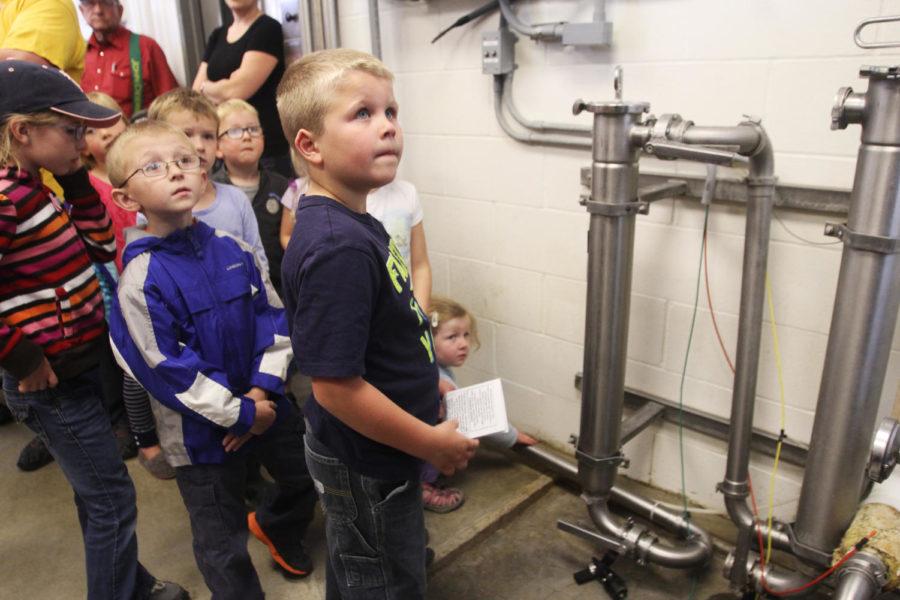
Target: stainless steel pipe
[(860, 578), (862, 325), (698, 548)]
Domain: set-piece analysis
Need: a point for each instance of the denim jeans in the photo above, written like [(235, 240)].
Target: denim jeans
[(74, 425), (214, 497), (375, 531)]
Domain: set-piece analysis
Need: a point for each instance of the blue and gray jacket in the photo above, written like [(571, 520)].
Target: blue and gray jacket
[(197, 325)]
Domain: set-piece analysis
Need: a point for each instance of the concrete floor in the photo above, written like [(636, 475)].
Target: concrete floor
[(502, 544)]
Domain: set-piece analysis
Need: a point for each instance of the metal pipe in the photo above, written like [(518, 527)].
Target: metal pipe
[(745, 138), (860, 578), (781, 581), (761, 183), (862, 325), (530, 138), (545, 32), (694, 552), (330, 24), (538, 126), (695, 549), (375, 28)]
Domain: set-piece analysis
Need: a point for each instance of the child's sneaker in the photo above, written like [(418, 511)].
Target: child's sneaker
[(440, 499), (166, 590), (157, 466), (296, 566)]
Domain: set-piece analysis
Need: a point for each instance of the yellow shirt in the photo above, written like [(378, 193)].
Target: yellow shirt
[(48, 28)]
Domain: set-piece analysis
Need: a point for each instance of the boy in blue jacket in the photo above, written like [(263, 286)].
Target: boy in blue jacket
[(198, 324)]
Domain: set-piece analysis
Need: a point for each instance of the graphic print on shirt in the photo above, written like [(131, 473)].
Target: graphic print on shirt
[(399, 274)]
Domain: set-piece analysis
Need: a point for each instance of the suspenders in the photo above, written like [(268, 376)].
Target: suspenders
[(137, 76)]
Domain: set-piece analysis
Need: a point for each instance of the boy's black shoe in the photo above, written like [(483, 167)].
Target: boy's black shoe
[(166, 590), (295, 566), (34, 455)]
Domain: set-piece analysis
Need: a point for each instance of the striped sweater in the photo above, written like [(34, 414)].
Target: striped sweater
[(50, 300)]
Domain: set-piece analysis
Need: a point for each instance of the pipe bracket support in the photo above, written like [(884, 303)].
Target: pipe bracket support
[(618, 459), (807, 553), (733, 489), (605, 209), (863, 241)]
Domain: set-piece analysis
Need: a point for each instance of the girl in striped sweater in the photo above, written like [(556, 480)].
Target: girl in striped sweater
[(52, 326)]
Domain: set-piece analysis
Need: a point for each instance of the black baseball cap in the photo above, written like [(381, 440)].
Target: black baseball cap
[(27, 87)]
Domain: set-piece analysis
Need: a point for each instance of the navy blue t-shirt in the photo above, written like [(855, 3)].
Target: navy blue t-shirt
[(351, 312)]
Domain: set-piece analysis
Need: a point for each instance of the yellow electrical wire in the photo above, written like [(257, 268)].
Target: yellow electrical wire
[(780, 372)]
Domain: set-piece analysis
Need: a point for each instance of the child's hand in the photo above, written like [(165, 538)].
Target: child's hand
[(451, 450), (265, 416), (257, 394), (40, 379), (445, 386)]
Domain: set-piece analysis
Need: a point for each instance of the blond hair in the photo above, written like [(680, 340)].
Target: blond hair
[(7, 141), (308, 84), (106, 101), (229, 107), (186, 99), (443, 309), (117, 167)]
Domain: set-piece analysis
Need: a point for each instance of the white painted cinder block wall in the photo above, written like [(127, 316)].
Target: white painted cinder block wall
[(507, 236)]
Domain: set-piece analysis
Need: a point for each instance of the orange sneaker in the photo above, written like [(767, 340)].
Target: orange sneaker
[(302, 564)]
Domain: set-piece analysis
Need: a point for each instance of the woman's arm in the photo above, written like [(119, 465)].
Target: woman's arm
[(242, 83), (201, 77), (421, 266)]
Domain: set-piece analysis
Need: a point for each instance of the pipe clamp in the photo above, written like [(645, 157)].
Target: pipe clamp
[(862, 241)]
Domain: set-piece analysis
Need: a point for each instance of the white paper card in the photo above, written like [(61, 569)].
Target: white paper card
[(480, 409)]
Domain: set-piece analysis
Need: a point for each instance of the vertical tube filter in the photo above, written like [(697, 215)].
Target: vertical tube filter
[(862, 324), (612, 209)]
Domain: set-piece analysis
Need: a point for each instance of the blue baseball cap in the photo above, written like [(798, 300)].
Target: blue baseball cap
[(27, 87)]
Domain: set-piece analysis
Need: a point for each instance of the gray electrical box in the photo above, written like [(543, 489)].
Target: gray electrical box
[(497, 55)]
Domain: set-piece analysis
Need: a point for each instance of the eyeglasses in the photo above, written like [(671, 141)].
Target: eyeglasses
[(160, 168), (99, 2), (76, 132), (237, 133)]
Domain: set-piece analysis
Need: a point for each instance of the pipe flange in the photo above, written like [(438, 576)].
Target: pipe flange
[(839, 118), (868, 565), (879, 72), (610, 107), (885, 446)]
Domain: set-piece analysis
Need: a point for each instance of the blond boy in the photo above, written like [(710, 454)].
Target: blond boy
[(241, 144), (220, 206), (198, 324), (359, 333)]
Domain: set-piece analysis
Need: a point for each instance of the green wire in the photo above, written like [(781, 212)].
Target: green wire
[(687, 353)]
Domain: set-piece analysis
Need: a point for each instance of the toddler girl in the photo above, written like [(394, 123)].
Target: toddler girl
[(455, 331)]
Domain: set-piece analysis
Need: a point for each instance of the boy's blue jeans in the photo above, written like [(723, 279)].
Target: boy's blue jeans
[(72, 422), (375, 531)]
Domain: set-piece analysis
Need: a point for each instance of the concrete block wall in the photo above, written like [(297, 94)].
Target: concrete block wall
[(507, 236)]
